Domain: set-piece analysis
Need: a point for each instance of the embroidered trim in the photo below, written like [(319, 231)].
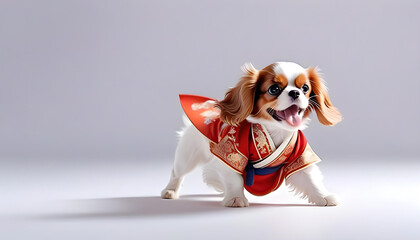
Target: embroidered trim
[(226, 150), (262, 142), (307, 158), (270, 140), (280, 155), (253, 141)]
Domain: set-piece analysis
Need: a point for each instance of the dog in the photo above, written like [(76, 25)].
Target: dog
[(252, 138)]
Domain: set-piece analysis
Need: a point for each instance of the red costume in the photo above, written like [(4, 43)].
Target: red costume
[(248, 148)]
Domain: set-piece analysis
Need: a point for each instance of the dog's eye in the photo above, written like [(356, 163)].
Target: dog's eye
[(305, 88), (274, 90)]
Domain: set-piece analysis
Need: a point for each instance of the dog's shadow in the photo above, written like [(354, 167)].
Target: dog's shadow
[(146, 207)]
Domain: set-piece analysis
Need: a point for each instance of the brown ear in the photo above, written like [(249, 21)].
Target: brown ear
[(320, 101), (239, 100)]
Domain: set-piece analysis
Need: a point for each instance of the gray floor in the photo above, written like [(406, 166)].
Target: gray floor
[(119, 199)]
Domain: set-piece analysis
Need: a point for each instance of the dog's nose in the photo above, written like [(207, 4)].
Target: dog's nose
[(294, 94)]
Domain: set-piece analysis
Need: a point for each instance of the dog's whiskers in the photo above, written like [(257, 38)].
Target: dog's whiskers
[(315, 104)]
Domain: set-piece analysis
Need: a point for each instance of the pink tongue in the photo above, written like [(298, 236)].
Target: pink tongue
[(291, 116)]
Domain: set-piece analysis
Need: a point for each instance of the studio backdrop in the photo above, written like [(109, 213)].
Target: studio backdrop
[(102, 78)]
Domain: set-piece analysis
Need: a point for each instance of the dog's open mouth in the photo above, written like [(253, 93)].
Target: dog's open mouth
[(292, 115)]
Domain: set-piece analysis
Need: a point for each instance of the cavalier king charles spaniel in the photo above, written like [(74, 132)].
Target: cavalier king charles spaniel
[(252, 138)]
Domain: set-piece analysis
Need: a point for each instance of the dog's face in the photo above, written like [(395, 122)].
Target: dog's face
[(281, 94)]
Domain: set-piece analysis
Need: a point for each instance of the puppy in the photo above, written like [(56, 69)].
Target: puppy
[(252, 138)]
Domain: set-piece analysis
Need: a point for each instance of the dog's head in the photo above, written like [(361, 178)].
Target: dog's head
[(283, 93)]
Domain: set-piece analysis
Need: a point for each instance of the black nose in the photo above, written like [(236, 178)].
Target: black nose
[(294, 94)]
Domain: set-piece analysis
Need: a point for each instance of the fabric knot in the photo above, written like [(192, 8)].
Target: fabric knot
[(251, 172)]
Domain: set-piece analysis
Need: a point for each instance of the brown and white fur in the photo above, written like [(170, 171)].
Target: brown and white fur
[(261, 96)]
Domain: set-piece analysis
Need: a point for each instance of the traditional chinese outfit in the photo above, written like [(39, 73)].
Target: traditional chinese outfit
[(248, 148)]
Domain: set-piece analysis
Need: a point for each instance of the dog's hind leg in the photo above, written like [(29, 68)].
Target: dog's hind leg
[(224, 179), (234, 190), (192, 150), (172, 189)]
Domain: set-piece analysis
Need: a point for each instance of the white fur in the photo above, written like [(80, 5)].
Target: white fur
[(193, 150), (289, 69)]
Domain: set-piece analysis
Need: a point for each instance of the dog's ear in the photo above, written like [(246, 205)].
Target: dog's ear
[(239, 100), (320, 101)]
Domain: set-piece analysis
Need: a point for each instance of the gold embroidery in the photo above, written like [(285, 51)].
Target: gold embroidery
[(289, 149), (227, 152), (307, 158), (300, 161), (235, 159), (262, 144)]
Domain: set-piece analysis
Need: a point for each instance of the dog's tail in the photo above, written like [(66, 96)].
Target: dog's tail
[(187, 124)]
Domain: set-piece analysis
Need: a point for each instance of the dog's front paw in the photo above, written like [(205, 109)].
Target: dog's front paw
[(169, 194), (332, 200), (236, 202)]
